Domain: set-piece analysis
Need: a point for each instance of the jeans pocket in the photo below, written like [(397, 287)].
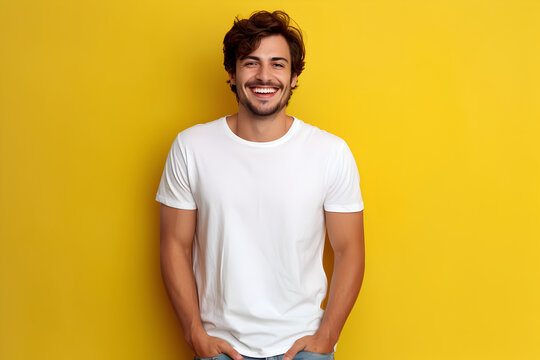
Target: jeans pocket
[(309, 355), (217, 357)]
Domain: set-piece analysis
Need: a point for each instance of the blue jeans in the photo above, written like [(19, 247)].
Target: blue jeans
[(302, 355)]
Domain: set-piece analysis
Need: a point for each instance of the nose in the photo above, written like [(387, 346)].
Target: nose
[(264, 73)]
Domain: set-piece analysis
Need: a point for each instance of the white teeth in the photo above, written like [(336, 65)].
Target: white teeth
[(264, 90)]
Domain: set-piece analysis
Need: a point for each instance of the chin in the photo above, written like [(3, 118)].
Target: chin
[(263, 112)]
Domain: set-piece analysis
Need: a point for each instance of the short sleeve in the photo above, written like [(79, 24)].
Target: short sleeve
[(343, 183), (174, 189)]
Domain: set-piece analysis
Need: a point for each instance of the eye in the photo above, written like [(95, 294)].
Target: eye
[(279, 65)]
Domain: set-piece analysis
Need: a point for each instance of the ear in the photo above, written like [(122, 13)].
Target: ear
[(232, 78), (293, 81)]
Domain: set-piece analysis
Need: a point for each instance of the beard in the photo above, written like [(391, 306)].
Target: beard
[(262, 111)]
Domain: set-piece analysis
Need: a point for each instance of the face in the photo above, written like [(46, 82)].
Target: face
[(263, 78)]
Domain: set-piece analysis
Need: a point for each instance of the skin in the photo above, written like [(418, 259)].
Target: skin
[(261, 118)]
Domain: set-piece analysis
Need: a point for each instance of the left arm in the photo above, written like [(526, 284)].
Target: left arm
[(346, 235)]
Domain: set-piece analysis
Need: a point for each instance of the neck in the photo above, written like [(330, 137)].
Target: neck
[(256, 128)]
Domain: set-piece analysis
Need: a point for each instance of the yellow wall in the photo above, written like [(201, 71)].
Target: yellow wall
[(438, 100)]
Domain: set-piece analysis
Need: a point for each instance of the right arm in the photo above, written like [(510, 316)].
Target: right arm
[(177, 230)]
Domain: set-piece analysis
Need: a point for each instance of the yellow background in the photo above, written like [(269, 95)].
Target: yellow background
[(438, 100)]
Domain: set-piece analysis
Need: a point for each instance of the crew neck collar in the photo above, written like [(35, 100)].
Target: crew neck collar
[(280, 140)]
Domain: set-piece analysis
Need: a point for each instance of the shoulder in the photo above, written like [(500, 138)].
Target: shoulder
[(321, 137), (204, 132)]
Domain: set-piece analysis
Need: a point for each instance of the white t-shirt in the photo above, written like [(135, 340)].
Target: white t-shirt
[(260, 227)]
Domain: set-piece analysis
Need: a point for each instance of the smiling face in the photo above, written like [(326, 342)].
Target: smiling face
[(263, 78)]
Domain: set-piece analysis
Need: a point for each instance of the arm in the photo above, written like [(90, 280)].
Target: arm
[(177, 230), (346, 235)]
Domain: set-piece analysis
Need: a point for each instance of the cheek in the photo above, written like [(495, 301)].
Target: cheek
[(242, 79)]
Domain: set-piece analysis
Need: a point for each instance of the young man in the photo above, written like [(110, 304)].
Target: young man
[(246, 200)]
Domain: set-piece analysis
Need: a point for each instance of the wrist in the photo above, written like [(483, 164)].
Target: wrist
[(195, 335), (327, 332)]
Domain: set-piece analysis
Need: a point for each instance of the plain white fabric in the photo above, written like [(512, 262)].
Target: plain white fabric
[(260, 227)]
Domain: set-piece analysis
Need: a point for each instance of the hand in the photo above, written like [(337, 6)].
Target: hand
[(317, 343), (206, 346)]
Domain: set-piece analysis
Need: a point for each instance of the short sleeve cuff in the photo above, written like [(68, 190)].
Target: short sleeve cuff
[(175, 203), (344, 208)]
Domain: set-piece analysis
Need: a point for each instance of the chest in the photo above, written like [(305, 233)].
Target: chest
[(247, 180)]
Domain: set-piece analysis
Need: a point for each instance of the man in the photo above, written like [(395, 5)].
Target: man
[(246, 200)]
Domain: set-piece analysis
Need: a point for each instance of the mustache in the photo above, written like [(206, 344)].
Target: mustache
[(260, 83)]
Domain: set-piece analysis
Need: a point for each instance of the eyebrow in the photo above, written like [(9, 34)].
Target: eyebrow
[(277, 58)]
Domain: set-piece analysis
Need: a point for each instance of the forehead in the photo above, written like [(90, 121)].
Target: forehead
[(272, 46)]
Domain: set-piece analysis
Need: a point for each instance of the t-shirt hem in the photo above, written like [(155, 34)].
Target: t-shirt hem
[(176, 204), (268, 353), (265, 354), (344, 208)]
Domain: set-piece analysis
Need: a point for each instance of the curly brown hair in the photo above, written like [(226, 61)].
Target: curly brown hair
[(246, 34)]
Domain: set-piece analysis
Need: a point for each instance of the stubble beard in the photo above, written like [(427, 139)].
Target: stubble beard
[(251, 106)]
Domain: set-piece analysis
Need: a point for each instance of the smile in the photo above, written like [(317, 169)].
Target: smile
[(263, 92)]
